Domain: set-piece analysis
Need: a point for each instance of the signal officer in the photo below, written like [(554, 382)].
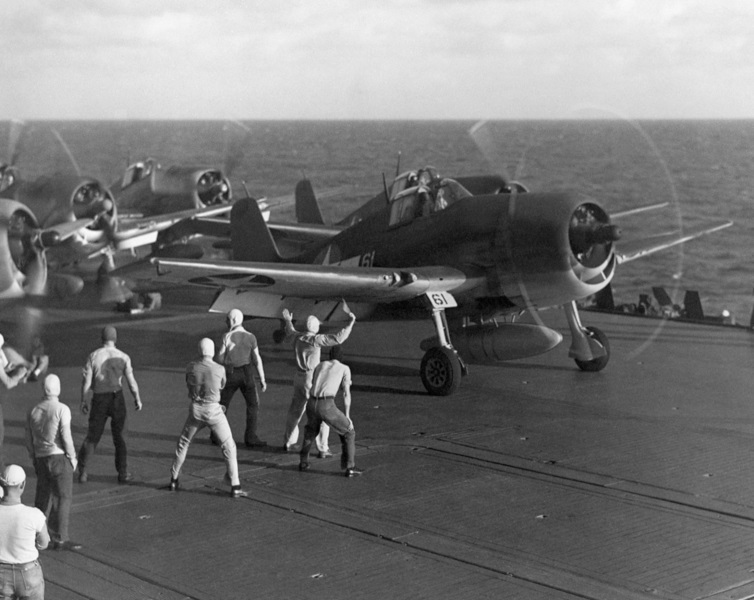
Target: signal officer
[(307, 347), (238, 352)]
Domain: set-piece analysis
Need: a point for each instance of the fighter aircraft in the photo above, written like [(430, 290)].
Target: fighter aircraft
[(60, 219), (147, 189), (470, 262)]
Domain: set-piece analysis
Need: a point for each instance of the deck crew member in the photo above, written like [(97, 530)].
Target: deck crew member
[(239, 353), (23, 533), (10, 378), (50, 446), (329, 378), (307, 347), (204, 379), (103, 374)]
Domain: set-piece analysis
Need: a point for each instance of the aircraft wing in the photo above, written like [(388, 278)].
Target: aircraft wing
[(357, 284), (63, 231), (305, 232), (140, 232), (289, 199), (638, 209), (628, 251)]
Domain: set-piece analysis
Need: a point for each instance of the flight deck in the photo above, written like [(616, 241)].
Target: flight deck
[(535, 481)]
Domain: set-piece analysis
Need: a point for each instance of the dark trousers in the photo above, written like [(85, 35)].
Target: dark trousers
[(55, 493), (2, 437), (242, 378), (325, 410), (110, 405)]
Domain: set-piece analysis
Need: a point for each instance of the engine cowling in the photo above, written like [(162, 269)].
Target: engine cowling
[(553, 248), (23, 265), (206, 186)]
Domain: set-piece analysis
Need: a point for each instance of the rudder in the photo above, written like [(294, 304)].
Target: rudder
[(250, 237), (307, 208)]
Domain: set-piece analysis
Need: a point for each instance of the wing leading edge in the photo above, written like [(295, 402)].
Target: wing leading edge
[(629, 251), (358, 284)]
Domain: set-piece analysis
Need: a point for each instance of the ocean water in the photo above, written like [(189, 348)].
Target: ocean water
[(704, 169)]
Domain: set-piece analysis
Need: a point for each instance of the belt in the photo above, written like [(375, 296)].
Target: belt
[(323, 397), (203, 401), (241, 366), (20, 565)]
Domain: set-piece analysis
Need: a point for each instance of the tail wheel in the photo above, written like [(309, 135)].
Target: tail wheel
[(596, 364), (441, 371)]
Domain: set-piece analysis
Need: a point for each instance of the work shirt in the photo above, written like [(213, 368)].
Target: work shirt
[(205, 378), (19, 525), (48, 429), (105, 368), (307, 346), (328, 378), (237, 347)]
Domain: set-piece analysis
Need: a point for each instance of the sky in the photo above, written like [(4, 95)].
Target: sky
[(376, 59)]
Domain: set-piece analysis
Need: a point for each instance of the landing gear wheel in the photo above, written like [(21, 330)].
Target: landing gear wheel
[(441, 371), (600, 363)]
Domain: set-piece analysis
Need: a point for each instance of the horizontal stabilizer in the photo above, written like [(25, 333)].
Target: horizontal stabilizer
[(628, 251)]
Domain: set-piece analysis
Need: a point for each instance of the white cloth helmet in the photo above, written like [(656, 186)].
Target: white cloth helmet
[(235, 317), (312, 324)]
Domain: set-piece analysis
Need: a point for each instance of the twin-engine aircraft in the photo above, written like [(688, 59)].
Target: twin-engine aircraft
[(469, 262)]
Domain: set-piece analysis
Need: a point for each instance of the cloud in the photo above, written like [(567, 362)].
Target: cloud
[(373, 59)]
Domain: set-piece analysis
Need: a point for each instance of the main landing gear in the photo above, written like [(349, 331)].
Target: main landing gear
[(441, 367), (589, 346)]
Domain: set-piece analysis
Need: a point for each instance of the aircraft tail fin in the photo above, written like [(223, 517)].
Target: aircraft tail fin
[(250, 237), (662, 297), (693, 305), (307, 208)]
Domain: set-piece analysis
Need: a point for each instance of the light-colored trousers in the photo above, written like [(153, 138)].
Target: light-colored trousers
[(302, 383), (212, 416)]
